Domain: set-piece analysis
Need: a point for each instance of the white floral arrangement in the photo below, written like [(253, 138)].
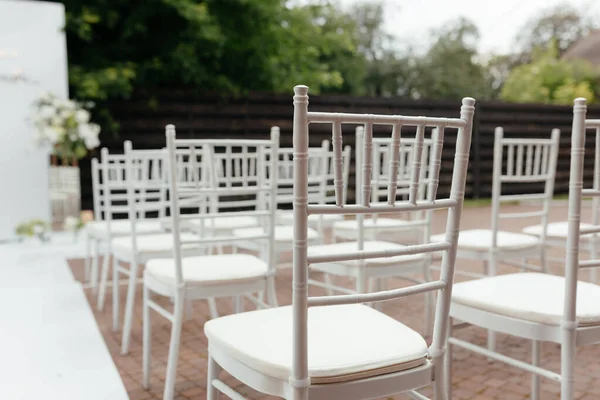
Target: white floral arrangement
[(64, 125)]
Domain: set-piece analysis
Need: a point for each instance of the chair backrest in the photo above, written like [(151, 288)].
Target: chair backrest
[(576, 195), (407, 154), (146, 182), (319, 159), (330, 197), (110, 191), (301, 259), (528, 161), (242, 172), (382, 157)]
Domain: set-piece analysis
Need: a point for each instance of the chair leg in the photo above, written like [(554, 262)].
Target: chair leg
[(129, 303), (95, 262), (212, 306), (238, 304), (271, 292), (536, 349), (213, 373), (448, 362), (544, 260), (115, 288), (88, 257), (174, 346), (491, 339), (567, 365), (146, 339), (104, 279), (379, 286)]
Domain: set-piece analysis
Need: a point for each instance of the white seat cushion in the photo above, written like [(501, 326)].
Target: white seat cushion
[(227, 223), (370, 223), (481, 240), (555, 230), (283, 233), (153, 243), (529, 296), (342, 340), (346, 247), (209, 270), (122, 227)]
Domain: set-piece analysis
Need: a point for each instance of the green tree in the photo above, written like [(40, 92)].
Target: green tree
[(548, 79), (223, 45), (387, 70), (561, 24), (450, 69)]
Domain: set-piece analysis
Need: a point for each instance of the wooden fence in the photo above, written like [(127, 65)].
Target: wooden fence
[(212, 116)]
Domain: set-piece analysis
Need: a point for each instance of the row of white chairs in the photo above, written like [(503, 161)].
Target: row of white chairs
[(204, 178)]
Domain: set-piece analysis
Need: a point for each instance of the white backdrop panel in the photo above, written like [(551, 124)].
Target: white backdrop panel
[(33, 59)]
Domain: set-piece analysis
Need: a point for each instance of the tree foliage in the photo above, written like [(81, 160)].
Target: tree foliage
[(223, 45), (560, 26), (450, 69), (548, 79), (238, 46)]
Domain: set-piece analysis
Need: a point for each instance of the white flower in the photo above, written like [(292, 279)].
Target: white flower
[(57, 120), (82, 116), (47, 111), (45, 96), (89, 133), (71, 223), (64, 114), (68, 104)]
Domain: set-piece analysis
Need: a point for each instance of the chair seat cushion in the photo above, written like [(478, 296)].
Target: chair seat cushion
[(122, 227), (209, 270), (529, 296), (346, 247), (226, 223), (153, 243), (343, 341), (481, 240), (378, 223), (283, 233), (555, 230)]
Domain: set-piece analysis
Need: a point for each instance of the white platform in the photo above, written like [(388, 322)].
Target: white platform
[(50, 343)]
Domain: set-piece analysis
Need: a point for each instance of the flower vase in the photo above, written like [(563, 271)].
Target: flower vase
[(65, 192)]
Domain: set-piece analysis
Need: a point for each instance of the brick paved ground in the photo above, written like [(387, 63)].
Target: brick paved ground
[(474, 377)]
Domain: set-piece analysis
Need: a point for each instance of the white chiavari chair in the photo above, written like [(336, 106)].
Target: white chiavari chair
[(310, 350), (146, 193), (379, 226), (529, 161), (109, 186), (249, 171), (542, 307)]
